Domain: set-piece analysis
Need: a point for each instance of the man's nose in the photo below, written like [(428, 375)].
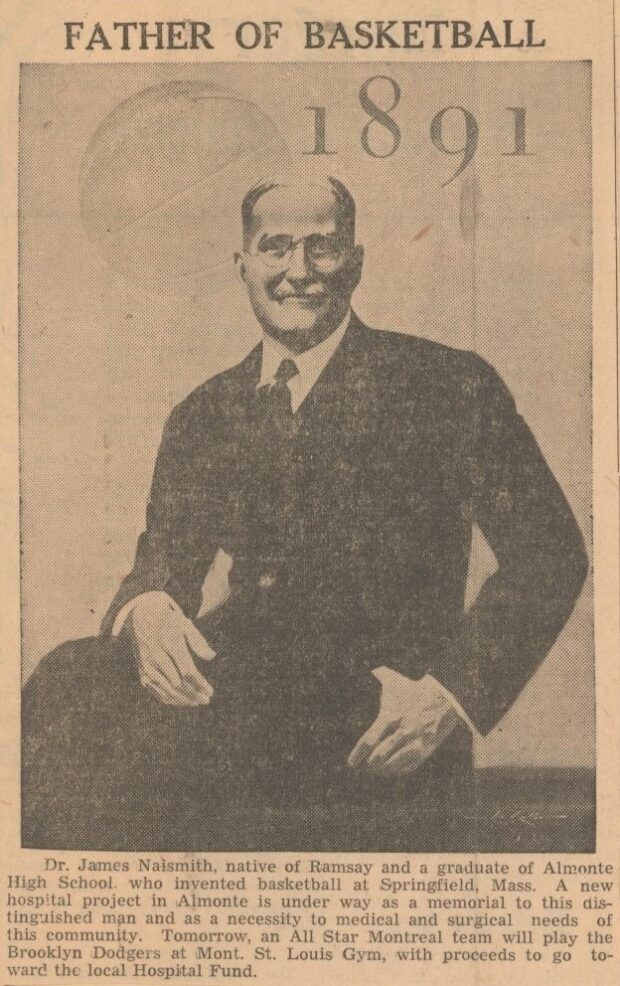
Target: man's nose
[(298, 268)]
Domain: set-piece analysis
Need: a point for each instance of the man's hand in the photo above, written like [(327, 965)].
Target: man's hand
[(164, 642), (414, 719)]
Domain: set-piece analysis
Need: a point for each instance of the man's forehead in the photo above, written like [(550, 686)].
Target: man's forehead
[(288, 206)]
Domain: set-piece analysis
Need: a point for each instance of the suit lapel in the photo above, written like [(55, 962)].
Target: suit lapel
[(345, 393), (242, 382), (370, 423)]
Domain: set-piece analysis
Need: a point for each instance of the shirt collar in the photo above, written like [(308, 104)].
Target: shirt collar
[(310, 363)]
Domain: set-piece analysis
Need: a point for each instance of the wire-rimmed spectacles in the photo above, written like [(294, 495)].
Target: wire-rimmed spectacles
[(325, 253)]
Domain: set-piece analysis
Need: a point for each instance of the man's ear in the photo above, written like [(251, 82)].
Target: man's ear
[(240, 267)]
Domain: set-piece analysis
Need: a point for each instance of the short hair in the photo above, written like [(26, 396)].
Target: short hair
[(345, 203)]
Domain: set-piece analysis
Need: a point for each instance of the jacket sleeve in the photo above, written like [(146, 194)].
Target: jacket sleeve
[(542, 563), (174, 550)]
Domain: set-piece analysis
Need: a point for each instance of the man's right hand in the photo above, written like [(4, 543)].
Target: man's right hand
[(164, 642)]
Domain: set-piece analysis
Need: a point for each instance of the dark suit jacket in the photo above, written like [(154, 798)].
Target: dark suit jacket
[(401, 447)]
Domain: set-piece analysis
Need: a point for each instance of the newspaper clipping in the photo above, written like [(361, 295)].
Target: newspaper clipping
[(310, 487)]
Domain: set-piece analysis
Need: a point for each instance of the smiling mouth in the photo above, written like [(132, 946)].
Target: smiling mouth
[(306, 300)]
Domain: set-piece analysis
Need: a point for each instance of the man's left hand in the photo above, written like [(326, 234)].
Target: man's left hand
[(414, 719)]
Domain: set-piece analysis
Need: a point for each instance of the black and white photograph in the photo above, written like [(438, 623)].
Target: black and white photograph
[(305, 456)]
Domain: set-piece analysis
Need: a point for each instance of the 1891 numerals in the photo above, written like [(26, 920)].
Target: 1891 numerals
[(381, 134)]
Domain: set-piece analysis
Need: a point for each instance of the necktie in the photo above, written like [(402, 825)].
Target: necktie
[(274, 404), (271, 494), (285, 372)]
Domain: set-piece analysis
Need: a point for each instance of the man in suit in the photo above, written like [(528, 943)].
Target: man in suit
[(295, 612)]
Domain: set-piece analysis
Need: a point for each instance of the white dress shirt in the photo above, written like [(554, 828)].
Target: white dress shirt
[(215, 590)]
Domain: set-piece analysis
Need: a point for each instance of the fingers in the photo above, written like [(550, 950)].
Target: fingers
[(387, 748), (197, 642), (191, 681), (404, 751), (381, 727), (164, 696), (174, 673), (154, 662), (390, 748), (408, 758), (154, 681)]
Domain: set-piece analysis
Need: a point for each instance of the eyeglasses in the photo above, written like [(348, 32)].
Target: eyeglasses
[(323, 252)]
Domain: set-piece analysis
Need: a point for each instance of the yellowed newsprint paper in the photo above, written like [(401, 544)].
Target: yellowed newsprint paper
[(309, 591)]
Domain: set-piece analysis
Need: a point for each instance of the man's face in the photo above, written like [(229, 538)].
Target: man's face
[(300, 265)]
